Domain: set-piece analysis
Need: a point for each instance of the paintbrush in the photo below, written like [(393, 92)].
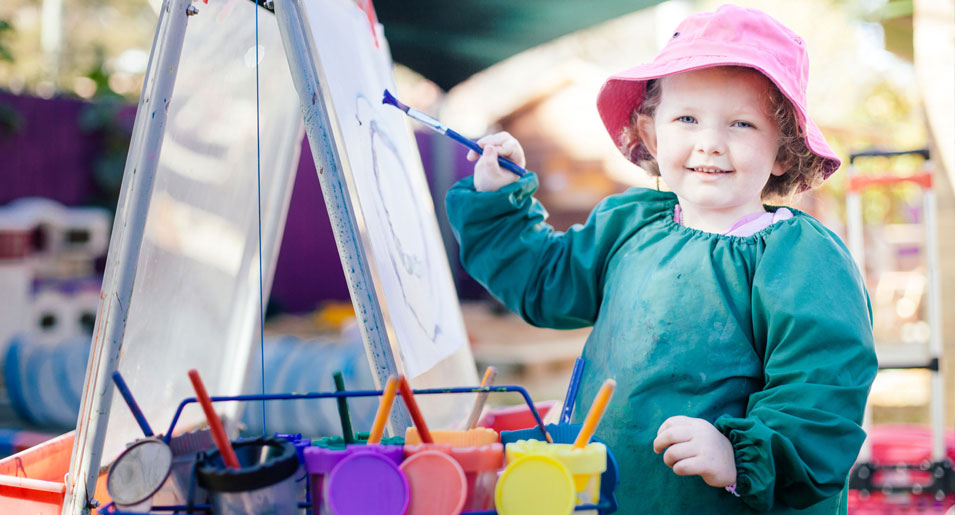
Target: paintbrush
[(413, 410), (595, 414), (384, 408), (347, 433), (489, 376), (571, 396), (215, 425), (131, 402), (438, 127)]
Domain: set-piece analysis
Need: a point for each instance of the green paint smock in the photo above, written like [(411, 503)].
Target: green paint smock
[(767, 336)]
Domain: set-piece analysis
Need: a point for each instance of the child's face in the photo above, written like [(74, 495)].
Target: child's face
[(715, 141)]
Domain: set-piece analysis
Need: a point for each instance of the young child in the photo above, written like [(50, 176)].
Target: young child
[(739, 334)]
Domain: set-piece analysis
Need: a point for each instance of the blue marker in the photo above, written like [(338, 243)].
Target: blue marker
[(436, 126)]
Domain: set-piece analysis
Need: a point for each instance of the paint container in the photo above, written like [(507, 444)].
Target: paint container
[(437, 483), (181, 486), (480, 465), (367, 480), (567, 433), (361, 438), (470, 438), (327, 453), (585, 465), (515, 417), (535, 484), (301, 475), (263, 483)]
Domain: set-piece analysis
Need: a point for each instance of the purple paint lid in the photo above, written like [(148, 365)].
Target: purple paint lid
[(367, 482)]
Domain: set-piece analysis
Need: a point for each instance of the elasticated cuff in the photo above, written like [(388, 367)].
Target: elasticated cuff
[(495, 203), (755, 478)]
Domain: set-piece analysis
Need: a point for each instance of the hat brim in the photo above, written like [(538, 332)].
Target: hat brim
[(624, 92)]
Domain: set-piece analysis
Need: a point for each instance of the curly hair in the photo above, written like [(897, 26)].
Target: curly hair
[(804, 169)]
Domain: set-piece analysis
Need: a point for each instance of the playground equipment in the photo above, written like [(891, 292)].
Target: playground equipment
[(895, 464)]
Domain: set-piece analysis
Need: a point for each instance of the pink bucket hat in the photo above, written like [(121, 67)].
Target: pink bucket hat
[(730, 36)]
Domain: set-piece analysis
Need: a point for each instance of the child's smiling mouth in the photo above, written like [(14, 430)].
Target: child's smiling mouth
[(708, 170)]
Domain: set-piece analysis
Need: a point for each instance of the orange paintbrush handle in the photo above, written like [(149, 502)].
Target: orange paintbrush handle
[(595, 413), (215, 425), (384, 409)]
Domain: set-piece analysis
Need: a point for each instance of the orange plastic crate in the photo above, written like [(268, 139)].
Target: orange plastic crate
[(33, 481)]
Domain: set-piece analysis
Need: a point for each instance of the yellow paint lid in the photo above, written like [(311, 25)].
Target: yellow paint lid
[(535, 485)]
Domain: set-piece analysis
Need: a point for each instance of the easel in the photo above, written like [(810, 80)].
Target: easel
[(152, 196)]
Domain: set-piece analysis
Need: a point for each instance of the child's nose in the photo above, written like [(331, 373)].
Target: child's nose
[(710, 141)]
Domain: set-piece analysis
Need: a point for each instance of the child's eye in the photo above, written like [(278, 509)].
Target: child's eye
[(740, 123), (686, 119)]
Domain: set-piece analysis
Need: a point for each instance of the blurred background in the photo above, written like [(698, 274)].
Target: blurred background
[(882, 77)]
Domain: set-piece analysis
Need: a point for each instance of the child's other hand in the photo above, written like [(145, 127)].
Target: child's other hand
[(694, 447), (488, 174)]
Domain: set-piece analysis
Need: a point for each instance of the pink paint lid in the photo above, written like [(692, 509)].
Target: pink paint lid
[(437, 483)]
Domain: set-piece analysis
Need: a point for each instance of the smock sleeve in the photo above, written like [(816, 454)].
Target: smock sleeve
[(801, 433), (550, 278)]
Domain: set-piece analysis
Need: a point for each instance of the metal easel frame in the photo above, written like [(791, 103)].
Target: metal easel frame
[(125, 244)]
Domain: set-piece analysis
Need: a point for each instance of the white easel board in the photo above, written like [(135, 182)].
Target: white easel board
[(378, 200)]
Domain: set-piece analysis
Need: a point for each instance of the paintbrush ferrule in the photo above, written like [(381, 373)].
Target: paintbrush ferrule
[(432, 123)]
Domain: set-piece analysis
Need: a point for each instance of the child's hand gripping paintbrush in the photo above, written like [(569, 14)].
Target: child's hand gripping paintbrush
[(438, 127)]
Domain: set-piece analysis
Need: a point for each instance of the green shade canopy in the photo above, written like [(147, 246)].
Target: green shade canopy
[(447, 42)]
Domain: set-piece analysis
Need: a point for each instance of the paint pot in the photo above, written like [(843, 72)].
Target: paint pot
[(567, 433), (470, 438), (181, 487), (366, 481), (585, 465), (437, 483), (326, 453), (138, 473), (361, 438), (301, 475), (480, 465), (263, 483), (535, 484)]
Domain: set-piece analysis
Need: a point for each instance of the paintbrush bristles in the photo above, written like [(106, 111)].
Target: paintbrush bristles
[(390, 99)]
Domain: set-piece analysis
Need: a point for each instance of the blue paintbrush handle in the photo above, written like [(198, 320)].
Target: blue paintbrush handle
[(131, 402), (572, 391), (505, 163)]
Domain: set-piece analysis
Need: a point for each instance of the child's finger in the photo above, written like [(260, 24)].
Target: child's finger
[(670, 436), (498, 138), (489, 157), (693, 466), (512, 150), (472, 155), (673, 421), (678, 452)]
